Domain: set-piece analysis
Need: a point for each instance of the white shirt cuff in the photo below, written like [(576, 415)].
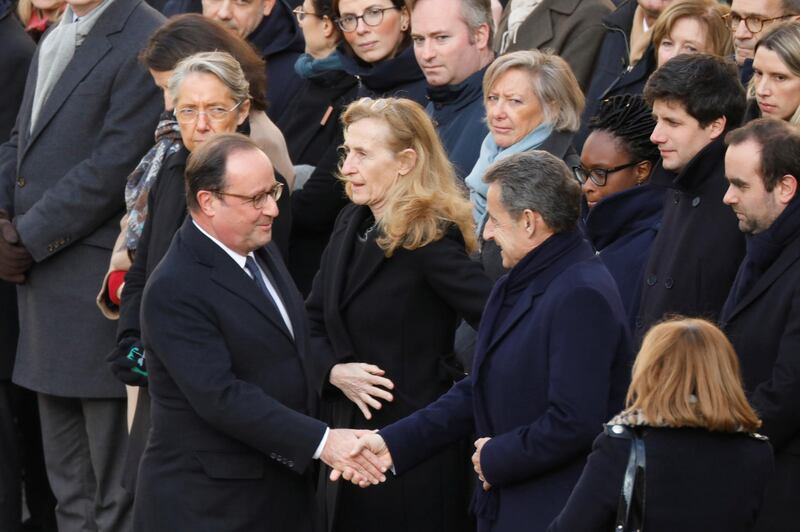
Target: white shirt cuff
[(321, 445)]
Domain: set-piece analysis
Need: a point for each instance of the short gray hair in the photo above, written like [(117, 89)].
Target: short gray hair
[(553, 81), (539, 181), (222, 65), (477, 13)]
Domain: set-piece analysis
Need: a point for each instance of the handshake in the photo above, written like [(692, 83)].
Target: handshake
[(358, 456)]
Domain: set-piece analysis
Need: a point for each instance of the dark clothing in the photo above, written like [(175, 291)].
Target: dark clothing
[(613, 75), (311, 122), (398, 76), (316, 206), (460, 118), (762, 320), (280, 42), (551, 365), (698, 249), (231, 442), (18, 50), (695, 481), (621, 228), (400, 314)]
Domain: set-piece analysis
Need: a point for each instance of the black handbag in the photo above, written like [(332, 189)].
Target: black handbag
[(630, 510)]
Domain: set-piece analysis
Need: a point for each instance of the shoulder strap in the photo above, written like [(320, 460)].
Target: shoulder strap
[(630, 510)]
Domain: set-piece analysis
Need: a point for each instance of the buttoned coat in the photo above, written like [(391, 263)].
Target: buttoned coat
[(231, 442), (545, 379), (764, 328), (573, 29), (64, 181)]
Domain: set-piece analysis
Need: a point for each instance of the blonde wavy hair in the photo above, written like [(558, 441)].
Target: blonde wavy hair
[(687, 375), (709, 13), (421, 205)]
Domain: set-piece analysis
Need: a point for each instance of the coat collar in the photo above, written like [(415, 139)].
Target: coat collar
[(622, 17), (538, 28), (386, 75), (707, 164), (460, 95), (226, 273), (622, 213), (372, 259), (278, 33)]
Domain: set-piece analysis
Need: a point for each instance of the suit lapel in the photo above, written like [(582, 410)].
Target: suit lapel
[(288, 293), (86, 57), (789, 256)]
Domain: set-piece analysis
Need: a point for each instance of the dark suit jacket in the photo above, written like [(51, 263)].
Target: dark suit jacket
[(546, 378), (764, 327), (400, 314), (65, 184), (231, 442), (695, 481)]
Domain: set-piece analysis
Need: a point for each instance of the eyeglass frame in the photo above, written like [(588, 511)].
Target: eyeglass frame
[(177, 112), (340, 22), (729, 18), (300, 14), (591, 173), (275, 193)]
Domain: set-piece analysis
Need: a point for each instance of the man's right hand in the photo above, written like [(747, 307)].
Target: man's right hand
[(15, 260)]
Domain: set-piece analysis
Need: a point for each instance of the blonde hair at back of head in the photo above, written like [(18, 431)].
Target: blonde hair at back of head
[(424, 203), (687, 375)]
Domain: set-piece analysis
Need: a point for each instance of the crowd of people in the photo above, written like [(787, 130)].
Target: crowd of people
[(429, 265)]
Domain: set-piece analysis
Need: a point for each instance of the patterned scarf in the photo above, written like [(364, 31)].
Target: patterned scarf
[(168, 142)]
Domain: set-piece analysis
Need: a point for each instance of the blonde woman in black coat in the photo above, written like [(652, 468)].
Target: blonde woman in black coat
[(705, 468), (393, 283)]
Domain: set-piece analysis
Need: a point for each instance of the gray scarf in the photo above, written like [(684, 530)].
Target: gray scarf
[(57, 49)]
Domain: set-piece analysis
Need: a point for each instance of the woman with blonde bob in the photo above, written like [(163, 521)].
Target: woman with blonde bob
[(393, 282), (692, 27), (705, 467)]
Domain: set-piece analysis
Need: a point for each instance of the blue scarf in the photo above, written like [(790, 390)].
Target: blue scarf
[(307, 67), (490, 153)]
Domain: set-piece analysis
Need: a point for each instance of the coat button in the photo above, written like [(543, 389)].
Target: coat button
[(676, 197), (696, 201), (652, 280), (669, 283), (273, 456), (290, 463), (20, 181)]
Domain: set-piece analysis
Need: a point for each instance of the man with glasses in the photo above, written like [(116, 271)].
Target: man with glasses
[(232, 442), (748, 19), (270, 27), (695, 99)]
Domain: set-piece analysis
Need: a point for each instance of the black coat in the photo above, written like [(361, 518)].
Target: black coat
[(695, 480), (460, 118), (613, 74), (621, 228), (400, 314), (316, 206), (231, 442), (697, 252), (764, 327), (280, 42)]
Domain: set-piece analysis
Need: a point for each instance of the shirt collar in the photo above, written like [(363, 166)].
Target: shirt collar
[(238, 258)]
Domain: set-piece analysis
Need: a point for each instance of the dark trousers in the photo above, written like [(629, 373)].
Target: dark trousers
[(84, 449)]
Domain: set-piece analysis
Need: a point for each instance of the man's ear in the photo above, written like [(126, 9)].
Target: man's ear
[(205, 199), (481, 36), (643, 171), (717, 127), (269, 5), (786, 188), (408, 160), (530, 220)]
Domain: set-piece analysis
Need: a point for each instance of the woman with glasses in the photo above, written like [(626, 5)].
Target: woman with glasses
[(313, 132), (705, 469), (533, 102), (624, 209), (774, 89), (393, 283)]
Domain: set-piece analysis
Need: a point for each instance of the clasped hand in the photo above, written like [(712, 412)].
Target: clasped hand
[(369, 447), (364, 467), (363, 384), (15, 260)]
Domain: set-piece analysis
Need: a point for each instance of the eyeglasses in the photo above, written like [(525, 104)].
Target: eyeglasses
[(301, 15), (188, 115), (372, 16), (599, 176), (753, 23), (259, 200)]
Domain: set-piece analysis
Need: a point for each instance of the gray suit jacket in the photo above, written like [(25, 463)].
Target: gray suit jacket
[(64, 182)]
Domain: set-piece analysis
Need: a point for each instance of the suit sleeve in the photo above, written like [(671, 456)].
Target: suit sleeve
[(195, 356), (457, 279), (91, 192), (579, 386), (777, 401), (592, 506), (424, 433)]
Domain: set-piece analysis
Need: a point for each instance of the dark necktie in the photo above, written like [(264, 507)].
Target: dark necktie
[(251, 266)]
